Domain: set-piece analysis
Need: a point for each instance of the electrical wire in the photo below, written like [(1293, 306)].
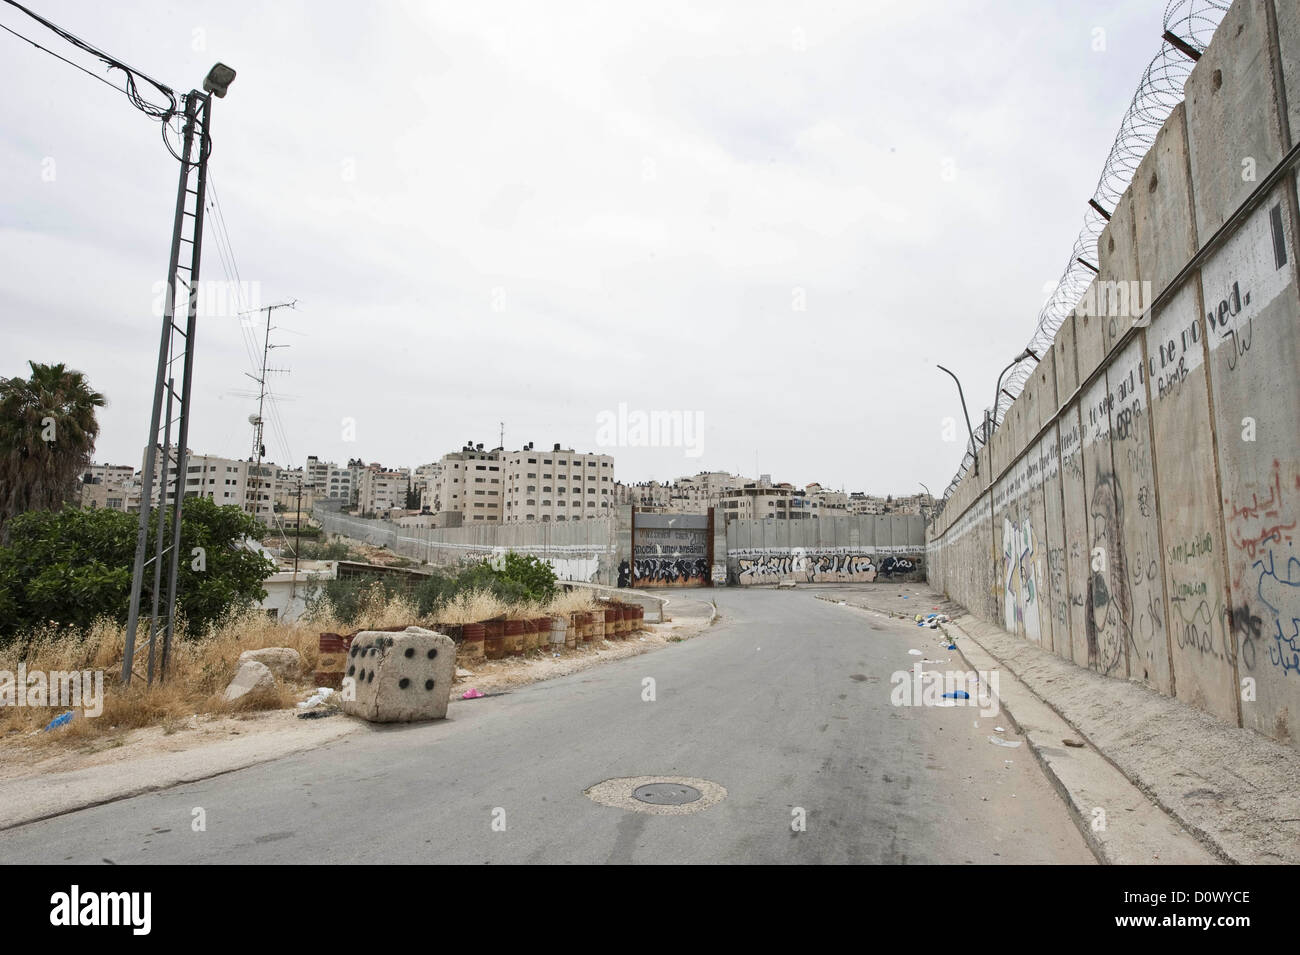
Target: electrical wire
[(156, 111)]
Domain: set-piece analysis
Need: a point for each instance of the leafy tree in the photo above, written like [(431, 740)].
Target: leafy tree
[(73, 566), (532, 574), (47, 436)]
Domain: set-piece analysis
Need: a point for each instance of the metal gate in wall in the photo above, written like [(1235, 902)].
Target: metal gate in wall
[(670, 550)]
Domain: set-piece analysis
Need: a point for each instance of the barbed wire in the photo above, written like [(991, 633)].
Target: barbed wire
[(1158, 92)]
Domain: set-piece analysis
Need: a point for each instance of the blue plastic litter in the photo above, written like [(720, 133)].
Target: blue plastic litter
[(952, 646), (63, 719), (958, 695)]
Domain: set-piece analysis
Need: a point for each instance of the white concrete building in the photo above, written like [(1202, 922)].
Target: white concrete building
[(381, 490), (469, 482), (557, 485)]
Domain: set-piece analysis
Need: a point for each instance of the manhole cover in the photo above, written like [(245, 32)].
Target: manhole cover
[(666, 794), (658, 795)]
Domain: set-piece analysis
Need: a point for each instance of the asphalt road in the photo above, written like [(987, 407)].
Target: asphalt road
[(785, 702)]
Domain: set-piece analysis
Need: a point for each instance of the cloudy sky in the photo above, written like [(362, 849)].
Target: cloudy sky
[(770, 218)]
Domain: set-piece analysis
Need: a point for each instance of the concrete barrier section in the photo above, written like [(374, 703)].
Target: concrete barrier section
[(399, 677), (1166, 494), (1202, 645), (1135, 500), (1252, 316)]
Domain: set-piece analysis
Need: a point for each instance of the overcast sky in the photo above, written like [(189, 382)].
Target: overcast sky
[(535, 213)]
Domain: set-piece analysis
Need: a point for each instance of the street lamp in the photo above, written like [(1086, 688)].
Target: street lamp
[(218, 80), (176, 344), (962, 395), (1027, 353)]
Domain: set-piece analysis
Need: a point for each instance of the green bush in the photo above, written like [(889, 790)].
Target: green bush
[(72, 566)]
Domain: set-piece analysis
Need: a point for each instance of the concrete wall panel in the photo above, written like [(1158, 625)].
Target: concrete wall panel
[(1203, 648), (1233, 116), (1136, 506), (1067, 364), (1057, 595), (1162, 197), (1109, 606), (1076, 530), (1045, 388), (1252, 316), (1120, 298)]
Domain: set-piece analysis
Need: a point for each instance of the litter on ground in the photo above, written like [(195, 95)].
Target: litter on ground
[(322, 694), (63, 719)]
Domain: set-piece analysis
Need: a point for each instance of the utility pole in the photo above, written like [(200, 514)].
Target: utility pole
[(174, 345), (297, 541), (259, 446)]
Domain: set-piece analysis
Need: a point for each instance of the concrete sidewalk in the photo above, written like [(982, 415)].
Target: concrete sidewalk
[(1235, 791)]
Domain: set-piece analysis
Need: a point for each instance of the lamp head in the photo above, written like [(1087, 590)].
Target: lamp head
[(218, 80)]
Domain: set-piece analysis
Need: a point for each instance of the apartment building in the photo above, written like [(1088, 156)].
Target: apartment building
[(557, 485), (426, 484), (686, 495), (762, 499), (316, 473), (469, 482), (381, 490), (107, 486), (340, 483)]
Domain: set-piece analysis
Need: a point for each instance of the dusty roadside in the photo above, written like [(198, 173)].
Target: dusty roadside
[(43, 779), (1236, 793)]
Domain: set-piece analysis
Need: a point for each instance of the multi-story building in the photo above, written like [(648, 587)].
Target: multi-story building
[(762, 499), (686, 495), (339, 484), (557, 485), (426, 485), (828, 501), (316, 474), (381, 490), (469, 482), (226, 481), (107, 486)]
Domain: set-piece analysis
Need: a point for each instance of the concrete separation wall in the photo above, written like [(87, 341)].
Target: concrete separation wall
[(825, 550), (581, 550), (1137, 510)]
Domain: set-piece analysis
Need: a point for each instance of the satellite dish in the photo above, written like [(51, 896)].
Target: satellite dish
[(254, 419)]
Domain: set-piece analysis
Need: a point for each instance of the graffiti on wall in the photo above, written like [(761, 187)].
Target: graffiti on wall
[(1020, 589), (670, 571), (1259, 531), (812, 568), (1108, 610), (840, 565), (890, 566), (669, 557)]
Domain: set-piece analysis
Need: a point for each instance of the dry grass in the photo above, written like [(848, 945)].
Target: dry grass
[(201, 668), (578, 600), (472, 605)]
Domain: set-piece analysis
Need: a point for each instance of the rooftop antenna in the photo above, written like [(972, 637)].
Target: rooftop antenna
[(255, 482)]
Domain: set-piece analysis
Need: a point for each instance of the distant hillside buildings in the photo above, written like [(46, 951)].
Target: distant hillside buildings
[(474, 485)]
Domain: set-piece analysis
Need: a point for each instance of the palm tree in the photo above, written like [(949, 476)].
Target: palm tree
[(47, 437)]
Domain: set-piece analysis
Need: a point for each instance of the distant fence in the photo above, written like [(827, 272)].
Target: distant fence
[(578, 550)]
